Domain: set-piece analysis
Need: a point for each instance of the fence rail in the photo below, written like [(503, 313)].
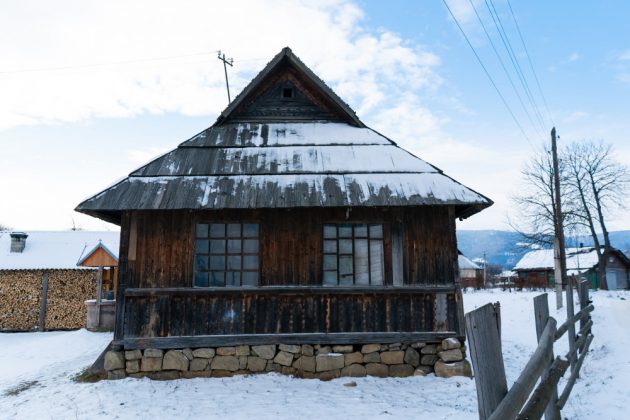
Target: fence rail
[(525, 400)]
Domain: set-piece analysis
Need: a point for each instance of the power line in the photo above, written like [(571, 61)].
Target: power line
[(531, 65), (514, 59), (487, 73), (113, 63), (507, 73)]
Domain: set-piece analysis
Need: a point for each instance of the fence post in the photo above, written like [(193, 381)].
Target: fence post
[(541, 314), (41, 322), (583, 289), (485, 351)]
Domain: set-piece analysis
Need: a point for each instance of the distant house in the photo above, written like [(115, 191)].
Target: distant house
[(46, 276), (287, 223), (536, 268), (470, 273), (505, 279)]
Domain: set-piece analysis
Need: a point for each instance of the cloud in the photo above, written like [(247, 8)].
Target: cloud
[(120, 59), (624, 56), (575, 116), (574, 57)]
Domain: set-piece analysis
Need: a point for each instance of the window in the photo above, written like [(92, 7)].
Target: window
[(288, 93), (353, 254), (226, 254)]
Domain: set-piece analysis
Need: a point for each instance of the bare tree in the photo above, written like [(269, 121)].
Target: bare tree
[(599, 183), (536, 213)]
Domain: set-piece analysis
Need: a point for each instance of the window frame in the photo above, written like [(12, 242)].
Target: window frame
[(226, 253), (368, 238)]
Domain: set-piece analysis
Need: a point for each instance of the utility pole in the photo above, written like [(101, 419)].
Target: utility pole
[(485, 276), (226, 62), (560, 251)]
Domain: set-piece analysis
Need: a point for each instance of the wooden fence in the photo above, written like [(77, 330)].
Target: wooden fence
[(525, 400)]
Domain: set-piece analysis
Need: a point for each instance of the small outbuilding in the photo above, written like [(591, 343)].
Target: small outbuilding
[(536, 268), (46, 277), (470, 273), (283, 237)]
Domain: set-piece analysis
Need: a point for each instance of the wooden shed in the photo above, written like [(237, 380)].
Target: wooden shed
[(536, 268), (470, 273), (46, 277), (287, 223)]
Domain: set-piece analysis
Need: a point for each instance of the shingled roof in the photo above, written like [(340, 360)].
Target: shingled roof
[(287, 140)]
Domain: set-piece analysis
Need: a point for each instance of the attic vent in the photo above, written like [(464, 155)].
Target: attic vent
[(18, 241), (288, 93)]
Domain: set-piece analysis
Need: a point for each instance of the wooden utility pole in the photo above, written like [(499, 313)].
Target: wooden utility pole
[(557, 249), (560, 251), (485, 275), (226, 62)]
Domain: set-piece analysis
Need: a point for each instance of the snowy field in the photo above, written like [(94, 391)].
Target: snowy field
[(37, 370)]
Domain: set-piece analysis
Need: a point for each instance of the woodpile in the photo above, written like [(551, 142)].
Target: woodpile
[(21, 292), (67, 292)]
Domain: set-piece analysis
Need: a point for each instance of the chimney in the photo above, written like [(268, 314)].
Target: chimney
[(18, 241)]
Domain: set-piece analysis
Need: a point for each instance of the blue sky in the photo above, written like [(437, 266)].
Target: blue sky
[(137, 79)]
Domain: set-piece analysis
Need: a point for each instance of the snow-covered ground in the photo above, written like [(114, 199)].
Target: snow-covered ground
[(37, 370)]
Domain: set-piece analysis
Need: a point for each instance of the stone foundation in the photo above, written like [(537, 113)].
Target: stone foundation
[(325, 362)]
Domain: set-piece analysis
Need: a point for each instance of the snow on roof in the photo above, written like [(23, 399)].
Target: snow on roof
[(299, 154), (466, 264), (53, 249), (507, 273), (582, 258)]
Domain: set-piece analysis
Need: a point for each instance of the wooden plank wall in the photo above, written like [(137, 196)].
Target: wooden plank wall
[(291, 244), (165, 315)]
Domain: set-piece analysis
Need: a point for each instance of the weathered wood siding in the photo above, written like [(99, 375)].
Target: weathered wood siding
[(198, 312), (158, 300), (291, 244)]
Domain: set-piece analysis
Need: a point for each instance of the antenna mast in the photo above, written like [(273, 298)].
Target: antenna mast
[(226, 62)]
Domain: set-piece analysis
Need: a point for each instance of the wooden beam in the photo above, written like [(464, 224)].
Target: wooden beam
[(541, 314), (41, 322), (584, 313), (285, 290), (257, 339), (542, 396), (99, 295), (485, 349), (518, 394), (574, 375)]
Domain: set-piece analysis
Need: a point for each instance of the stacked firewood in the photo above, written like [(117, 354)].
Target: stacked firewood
[(67, 292), (20, 293)]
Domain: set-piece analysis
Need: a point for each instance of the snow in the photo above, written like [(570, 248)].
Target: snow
[(53, 249), (601, 392), (466, 264), (290, 159), (582, 258), (295, 134)]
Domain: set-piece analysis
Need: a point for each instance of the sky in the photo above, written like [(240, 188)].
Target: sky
[(91, 90)]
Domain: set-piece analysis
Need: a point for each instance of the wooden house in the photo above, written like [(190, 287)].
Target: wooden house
[(288, 222), (470, 273), (536, 268)]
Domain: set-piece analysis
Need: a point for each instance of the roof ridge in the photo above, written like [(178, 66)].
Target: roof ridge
[(287, 53)]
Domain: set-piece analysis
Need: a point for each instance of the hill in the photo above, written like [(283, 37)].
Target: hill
[(501, 246)]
